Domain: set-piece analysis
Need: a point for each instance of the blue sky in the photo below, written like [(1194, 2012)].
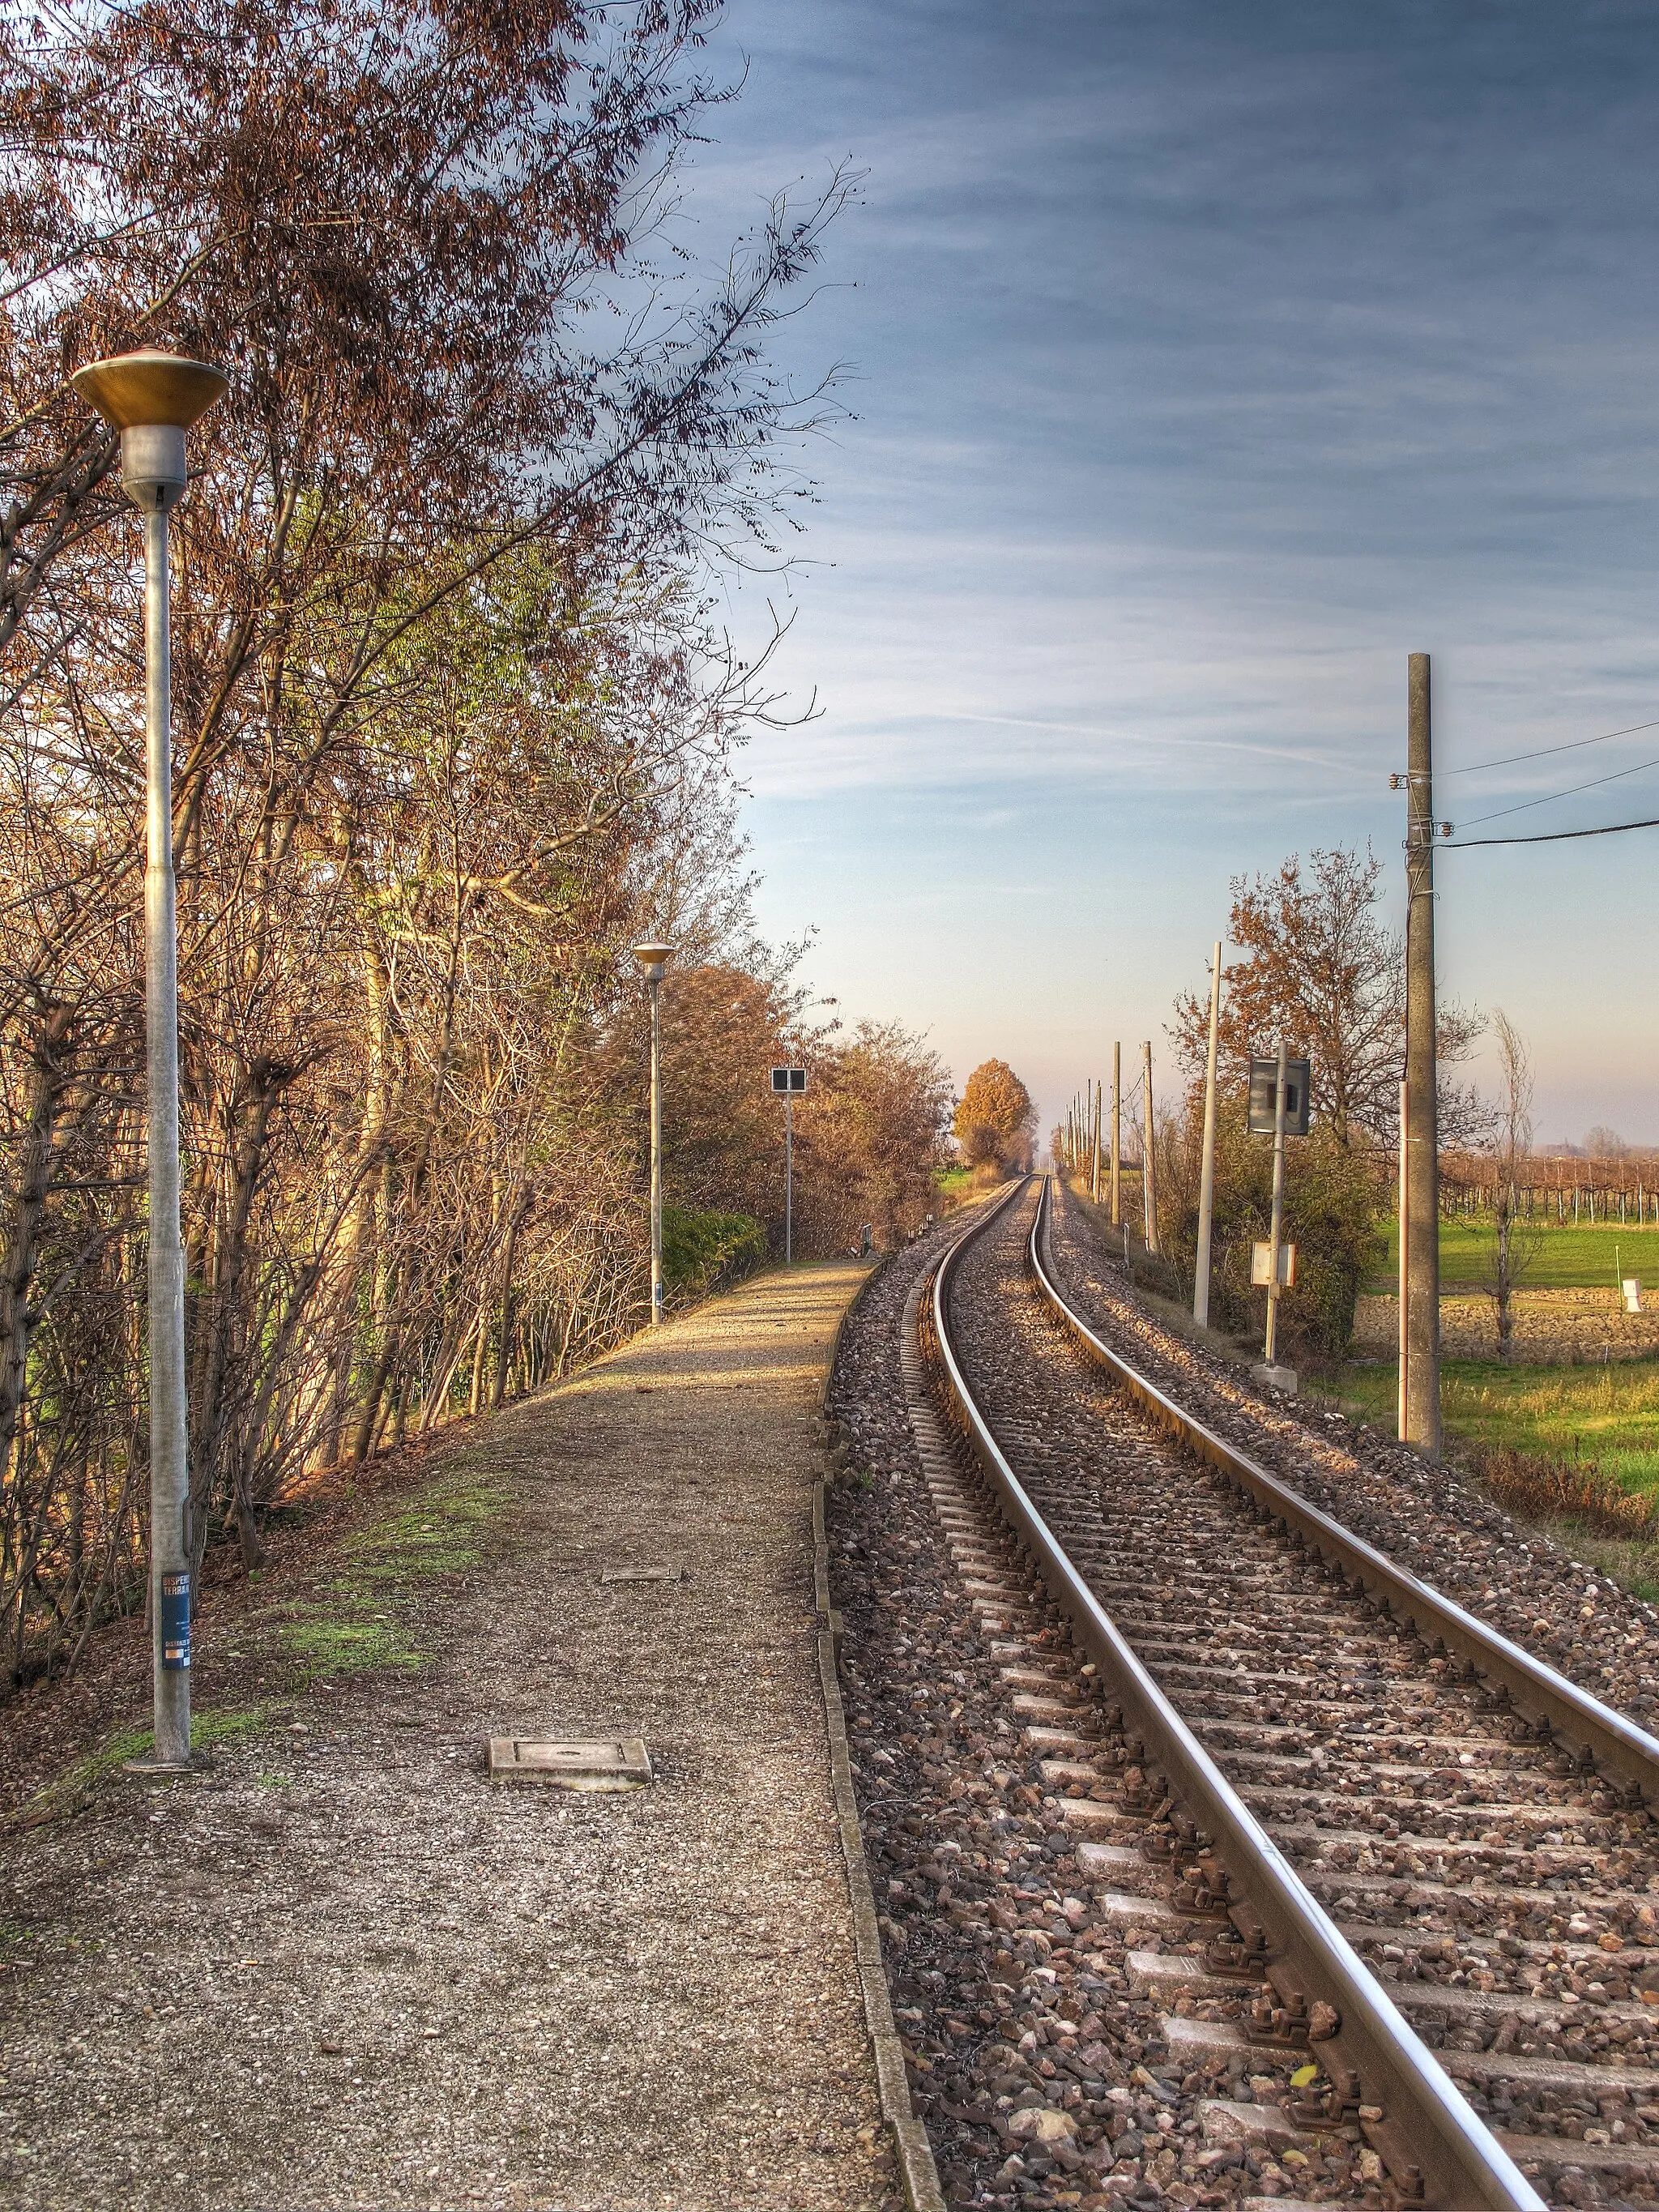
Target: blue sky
[(1203, 361)]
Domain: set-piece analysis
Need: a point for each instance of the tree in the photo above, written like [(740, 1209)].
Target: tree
[(452, 728), (995, 1120), (1321, 971), (872, 1138), (1515, 1239)]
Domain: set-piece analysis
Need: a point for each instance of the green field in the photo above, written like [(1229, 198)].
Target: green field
[(1609, 1414), (1566, 1258)]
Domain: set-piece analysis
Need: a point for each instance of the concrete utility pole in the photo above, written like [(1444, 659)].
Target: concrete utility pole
[(1421, 1230), (1275, 1234), (1149, 1164), (1094, 1184), (152, 400), (1404, 1280), (1206, 1177), (1117, 1135)]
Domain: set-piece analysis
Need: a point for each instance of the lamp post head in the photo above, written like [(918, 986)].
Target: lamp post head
[(151, 399), (654, 959)]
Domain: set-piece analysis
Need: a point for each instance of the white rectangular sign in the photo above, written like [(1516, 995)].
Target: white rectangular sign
[(1261, 1264)]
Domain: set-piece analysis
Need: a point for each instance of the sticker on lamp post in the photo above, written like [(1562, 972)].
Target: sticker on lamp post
[(175, 1621)]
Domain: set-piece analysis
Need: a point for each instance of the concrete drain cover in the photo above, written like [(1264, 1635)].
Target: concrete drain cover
[(644, 1575), (619, 1764)]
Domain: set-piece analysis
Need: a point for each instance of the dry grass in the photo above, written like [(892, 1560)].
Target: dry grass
[(1540, 1487)]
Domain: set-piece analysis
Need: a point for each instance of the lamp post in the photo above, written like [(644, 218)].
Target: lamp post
[(654, 959), (152, 398)]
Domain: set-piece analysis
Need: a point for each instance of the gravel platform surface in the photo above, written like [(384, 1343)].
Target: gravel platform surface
[(341, 1968)]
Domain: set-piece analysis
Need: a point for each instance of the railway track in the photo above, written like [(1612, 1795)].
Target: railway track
[(1384, 1881)]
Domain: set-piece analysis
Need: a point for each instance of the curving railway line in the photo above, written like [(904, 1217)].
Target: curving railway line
[(1345, 1888)]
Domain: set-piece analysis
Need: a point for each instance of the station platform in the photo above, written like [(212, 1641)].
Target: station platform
[(343, 1967)]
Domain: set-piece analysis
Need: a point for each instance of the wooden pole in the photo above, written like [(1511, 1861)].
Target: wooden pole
[(1405, 1272), (1117, 1135), (1275, 1234), (1206, 1177), (1148, 1162)]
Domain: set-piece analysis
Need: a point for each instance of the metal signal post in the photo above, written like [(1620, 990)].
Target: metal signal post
[(654, 959), (788, 1082)]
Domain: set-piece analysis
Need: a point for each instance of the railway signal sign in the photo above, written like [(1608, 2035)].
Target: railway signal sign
[(1263, 1075), (788, 1082), (1261, 1264)]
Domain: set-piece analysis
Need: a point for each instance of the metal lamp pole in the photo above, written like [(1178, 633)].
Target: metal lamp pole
[(152, 398), (654, 959)]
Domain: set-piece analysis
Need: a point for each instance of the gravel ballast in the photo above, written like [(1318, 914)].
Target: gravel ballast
[(1431, 1519)]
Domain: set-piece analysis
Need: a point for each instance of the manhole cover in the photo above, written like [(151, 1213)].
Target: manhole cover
[(622, 1764), (643, 1575)]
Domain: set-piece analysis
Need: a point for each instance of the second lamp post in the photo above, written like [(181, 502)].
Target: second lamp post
[(654, 959)]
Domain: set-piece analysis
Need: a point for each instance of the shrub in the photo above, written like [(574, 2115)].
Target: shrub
[(702, 1249)]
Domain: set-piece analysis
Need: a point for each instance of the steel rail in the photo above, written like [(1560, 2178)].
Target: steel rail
[(1589, 1731), (1461, 2162)]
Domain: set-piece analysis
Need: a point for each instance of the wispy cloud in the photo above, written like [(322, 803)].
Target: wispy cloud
[(1208, 360)]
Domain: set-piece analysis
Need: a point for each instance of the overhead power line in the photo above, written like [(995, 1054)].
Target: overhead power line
[(1549, 797), (1551, 837), (1573, 746)]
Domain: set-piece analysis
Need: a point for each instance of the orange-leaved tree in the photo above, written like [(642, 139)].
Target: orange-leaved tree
[(995, 1120)]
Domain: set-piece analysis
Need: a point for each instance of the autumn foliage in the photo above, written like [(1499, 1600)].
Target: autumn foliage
[(995, 1120), (451, 731)]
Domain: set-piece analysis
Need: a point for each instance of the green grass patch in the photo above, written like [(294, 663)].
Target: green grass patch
[(79, 1783), (1607, 1413), (328, 1643), (439, 1532), (1566, 1259), (357, 1623), (353, 1623)]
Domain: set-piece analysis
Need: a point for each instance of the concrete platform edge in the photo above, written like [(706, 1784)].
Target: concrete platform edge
[(911, 2147)]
